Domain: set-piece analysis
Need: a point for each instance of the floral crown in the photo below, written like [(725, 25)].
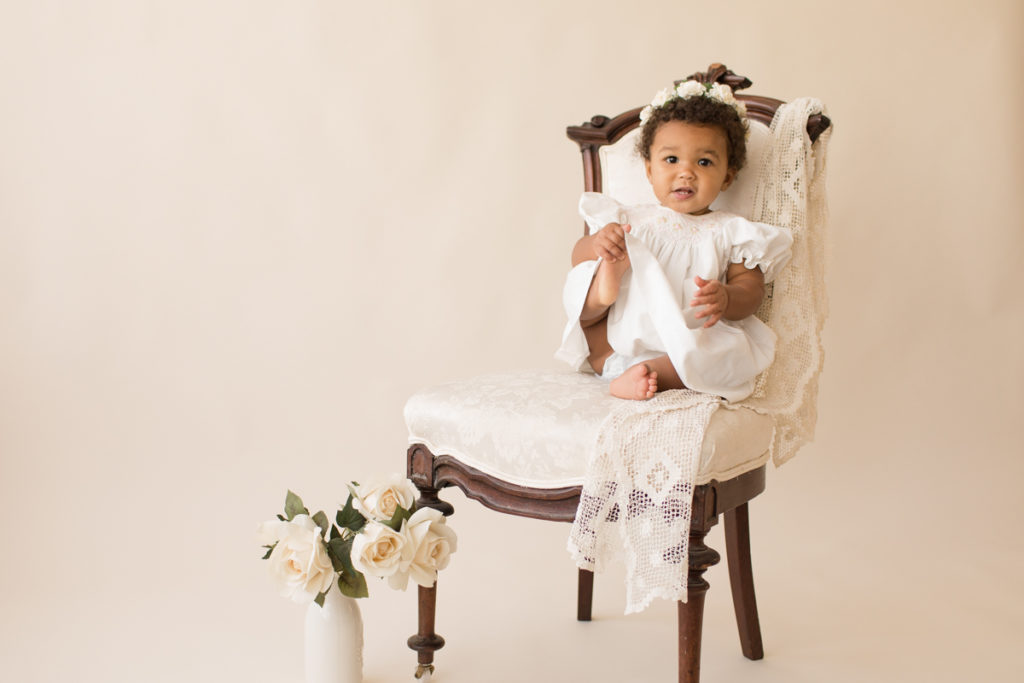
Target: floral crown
[(686, 90)]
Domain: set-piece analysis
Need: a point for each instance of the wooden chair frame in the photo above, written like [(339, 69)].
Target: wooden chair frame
[(432, 472)]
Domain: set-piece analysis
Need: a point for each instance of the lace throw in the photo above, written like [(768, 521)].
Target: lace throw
[(637, 496), (791, 192)]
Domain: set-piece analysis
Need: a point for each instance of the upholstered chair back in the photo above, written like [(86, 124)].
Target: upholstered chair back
[(622, 172)]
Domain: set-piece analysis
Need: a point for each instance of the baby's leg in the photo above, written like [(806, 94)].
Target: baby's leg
[(604, 290), (596, 334), (643, 380)]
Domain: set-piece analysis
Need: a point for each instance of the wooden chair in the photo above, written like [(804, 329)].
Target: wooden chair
[(733, 460)]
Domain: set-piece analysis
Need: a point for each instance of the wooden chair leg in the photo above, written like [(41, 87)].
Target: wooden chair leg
[(420, 470), (426, 642), (691, 612), (585, 595), (741, 579)]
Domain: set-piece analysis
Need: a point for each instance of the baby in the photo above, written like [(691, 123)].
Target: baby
[(662, 296)]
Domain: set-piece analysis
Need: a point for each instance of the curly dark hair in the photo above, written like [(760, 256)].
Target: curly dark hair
[(700, 111)]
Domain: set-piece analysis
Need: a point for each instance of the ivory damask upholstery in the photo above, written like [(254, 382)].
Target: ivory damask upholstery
[(536, 428)]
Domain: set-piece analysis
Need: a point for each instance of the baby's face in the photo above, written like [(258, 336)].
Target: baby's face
[(688, 166)]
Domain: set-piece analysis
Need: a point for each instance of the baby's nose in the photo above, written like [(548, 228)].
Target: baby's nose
[(685, 170)]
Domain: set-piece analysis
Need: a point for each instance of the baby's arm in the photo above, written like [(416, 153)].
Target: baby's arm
[(608, 243), (739, 297)]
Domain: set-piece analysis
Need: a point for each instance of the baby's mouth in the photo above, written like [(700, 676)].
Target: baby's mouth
[(683, 192)]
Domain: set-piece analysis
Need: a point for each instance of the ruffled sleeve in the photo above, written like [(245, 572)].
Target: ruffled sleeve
[(598, 210), (758, 245)]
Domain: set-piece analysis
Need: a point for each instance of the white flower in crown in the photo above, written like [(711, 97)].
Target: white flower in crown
[(663, 96), (690, 89), (724, 94)]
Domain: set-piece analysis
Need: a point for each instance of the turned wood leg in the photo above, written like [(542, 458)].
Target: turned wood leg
[(585, 595), (426, 642), (741, 579), (691, 612)]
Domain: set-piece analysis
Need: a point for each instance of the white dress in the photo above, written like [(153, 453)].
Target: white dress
[(652, 316)]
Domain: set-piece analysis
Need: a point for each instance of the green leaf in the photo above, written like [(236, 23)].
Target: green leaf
[(401, 514), (320, 519), (340, 552), (353, 585), (293, 506), (349, 518), (351, 582), (348, 572), (270, 549), (319, 599)]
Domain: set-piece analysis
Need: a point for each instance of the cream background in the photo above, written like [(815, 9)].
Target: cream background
[(234, 236)]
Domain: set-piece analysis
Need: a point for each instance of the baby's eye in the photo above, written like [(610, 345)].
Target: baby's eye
[(671, 159), (704, 162)]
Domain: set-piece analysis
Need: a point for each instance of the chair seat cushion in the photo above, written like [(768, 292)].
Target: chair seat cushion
[(535, 428)]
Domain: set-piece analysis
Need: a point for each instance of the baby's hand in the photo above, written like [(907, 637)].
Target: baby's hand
[(713, 295), (610, 242)]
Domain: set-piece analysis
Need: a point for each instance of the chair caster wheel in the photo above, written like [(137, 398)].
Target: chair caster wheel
[(424, 672)]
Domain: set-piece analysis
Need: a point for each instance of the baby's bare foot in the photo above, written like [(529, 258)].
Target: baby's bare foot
[(637, 383)]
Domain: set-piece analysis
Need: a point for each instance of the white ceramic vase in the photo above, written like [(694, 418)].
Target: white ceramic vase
[(334, 640)]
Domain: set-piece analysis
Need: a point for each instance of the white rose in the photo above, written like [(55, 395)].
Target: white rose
[(690, 89), (722, 93), (662, 97), (379, 550), (299, 563), (432, 542), (645, 113), (380, 499)]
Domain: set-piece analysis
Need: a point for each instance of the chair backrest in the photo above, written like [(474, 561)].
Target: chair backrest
[(612, 165), (623, 177)]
